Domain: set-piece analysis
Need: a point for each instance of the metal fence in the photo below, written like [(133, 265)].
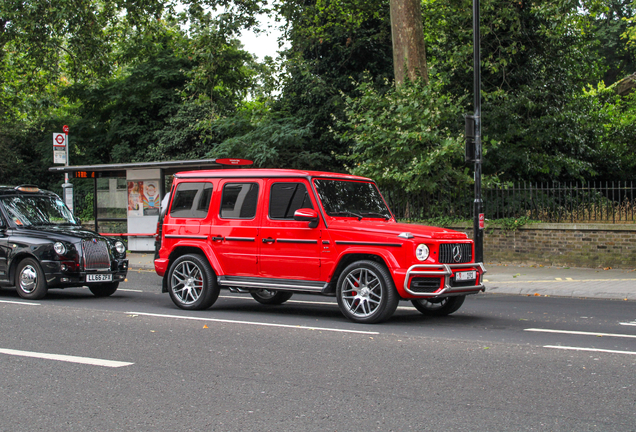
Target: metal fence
[(602, 202)]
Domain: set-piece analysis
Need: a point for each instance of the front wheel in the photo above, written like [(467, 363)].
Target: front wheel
[(439, 307), (104, 290), (366, 293), (271, 297), (192, 283), (31, 283)]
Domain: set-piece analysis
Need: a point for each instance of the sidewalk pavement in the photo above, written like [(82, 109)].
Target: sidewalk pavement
[(536, 280)]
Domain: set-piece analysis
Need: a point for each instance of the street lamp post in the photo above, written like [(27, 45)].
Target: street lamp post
[(478, 220)]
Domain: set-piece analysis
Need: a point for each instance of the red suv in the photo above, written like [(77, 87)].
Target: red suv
[(271, 233)]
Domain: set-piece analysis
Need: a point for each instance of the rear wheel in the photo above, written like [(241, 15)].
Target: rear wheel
[(271, 297), (30, 281), (104, 290), (439, 307), (366, 293), (192, 282)]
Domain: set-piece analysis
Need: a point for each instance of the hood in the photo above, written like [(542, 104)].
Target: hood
[(393, 229), (69, 233)]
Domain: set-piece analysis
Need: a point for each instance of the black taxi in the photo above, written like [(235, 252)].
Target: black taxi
[(42, 246)]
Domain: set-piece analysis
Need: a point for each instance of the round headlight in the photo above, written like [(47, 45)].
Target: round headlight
[(421, 253), (119, 247), (59, 248)]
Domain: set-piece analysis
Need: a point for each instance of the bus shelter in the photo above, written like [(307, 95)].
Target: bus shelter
[(127, 197)]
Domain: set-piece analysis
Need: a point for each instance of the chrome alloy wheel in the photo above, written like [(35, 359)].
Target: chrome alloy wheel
[(362, 292), (28, 279), (187, 282)]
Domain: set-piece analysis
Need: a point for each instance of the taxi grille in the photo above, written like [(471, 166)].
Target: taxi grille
[(96, 255), (447, 253)]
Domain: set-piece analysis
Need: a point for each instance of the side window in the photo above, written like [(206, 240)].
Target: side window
[(191, 200), (239, 200), (286, 198)]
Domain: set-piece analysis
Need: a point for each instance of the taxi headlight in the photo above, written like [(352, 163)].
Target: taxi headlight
[(59, 248), (120, 248), (422, 252)]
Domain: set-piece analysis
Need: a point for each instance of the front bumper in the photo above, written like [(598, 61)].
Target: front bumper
[(445, 272), (56, 277)]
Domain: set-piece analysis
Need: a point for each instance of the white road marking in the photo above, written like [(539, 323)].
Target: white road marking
[(299, 327), (629, 323), (589, 349), (580, 333), (66, 358), (132, 290), (19, 302), (305, 302)]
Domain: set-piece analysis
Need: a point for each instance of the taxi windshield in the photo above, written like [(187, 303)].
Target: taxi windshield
[(351, 199), (37, 210)]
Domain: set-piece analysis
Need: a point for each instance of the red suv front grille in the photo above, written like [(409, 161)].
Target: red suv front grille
[(452, 253)]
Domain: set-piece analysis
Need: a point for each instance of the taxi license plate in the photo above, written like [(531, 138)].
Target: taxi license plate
[(99, 277), (466, 275)]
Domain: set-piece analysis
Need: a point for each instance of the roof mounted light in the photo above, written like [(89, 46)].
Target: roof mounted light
[(235, 162), (27, 188)]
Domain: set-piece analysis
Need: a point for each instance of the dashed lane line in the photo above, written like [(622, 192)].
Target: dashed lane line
[(628, 323), (580, 333), (297, 327), (589, 349), (20, 302), (66, 358)]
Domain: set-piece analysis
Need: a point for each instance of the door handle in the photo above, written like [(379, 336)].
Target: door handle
[(217, 238), (269, 240)]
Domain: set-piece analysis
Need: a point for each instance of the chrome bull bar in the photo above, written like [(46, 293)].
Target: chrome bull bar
[(444, 270)]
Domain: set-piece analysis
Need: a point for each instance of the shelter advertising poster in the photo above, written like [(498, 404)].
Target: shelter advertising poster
[(151, 200), (143, 198), (135, 198)]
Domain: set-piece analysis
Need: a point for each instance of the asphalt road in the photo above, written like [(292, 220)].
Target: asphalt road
[(135, 362)]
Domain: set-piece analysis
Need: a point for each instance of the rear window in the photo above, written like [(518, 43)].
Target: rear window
[(239, 200), (191, 200)]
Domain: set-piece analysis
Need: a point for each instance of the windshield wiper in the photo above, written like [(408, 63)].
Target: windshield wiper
[(346, 213), (383, 216)]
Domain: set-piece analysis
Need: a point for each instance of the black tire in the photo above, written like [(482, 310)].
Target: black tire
[(105, 289), (271, 297), (192, 283), (439, 307), (375, 301), (30, 280)]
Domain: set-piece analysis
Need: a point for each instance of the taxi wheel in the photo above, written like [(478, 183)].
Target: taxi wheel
[(271, 297), (30, 280), (366, 293), (439, 307), (192, 283), (104, 290)]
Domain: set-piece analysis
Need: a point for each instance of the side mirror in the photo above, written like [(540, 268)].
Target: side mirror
[(307, 215)]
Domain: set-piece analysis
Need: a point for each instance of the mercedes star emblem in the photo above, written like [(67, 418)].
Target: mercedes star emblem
[(457, 254)]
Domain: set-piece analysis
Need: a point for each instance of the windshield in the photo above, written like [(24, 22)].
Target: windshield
[(351, 199), (35, 210)]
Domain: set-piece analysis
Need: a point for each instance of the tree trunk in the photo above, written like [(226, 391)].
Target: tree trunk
[(409, 52)]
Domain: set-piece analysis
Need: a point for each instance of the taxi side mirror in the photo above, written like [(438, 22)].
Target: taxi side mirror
[(307, 215)]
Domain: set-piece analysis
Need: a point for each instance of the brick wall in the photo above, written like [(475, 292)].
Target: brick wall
[(576, 245)]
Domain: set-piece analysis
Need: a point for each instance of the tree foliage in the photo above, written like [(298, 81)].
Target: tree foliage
[(167, 79)]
